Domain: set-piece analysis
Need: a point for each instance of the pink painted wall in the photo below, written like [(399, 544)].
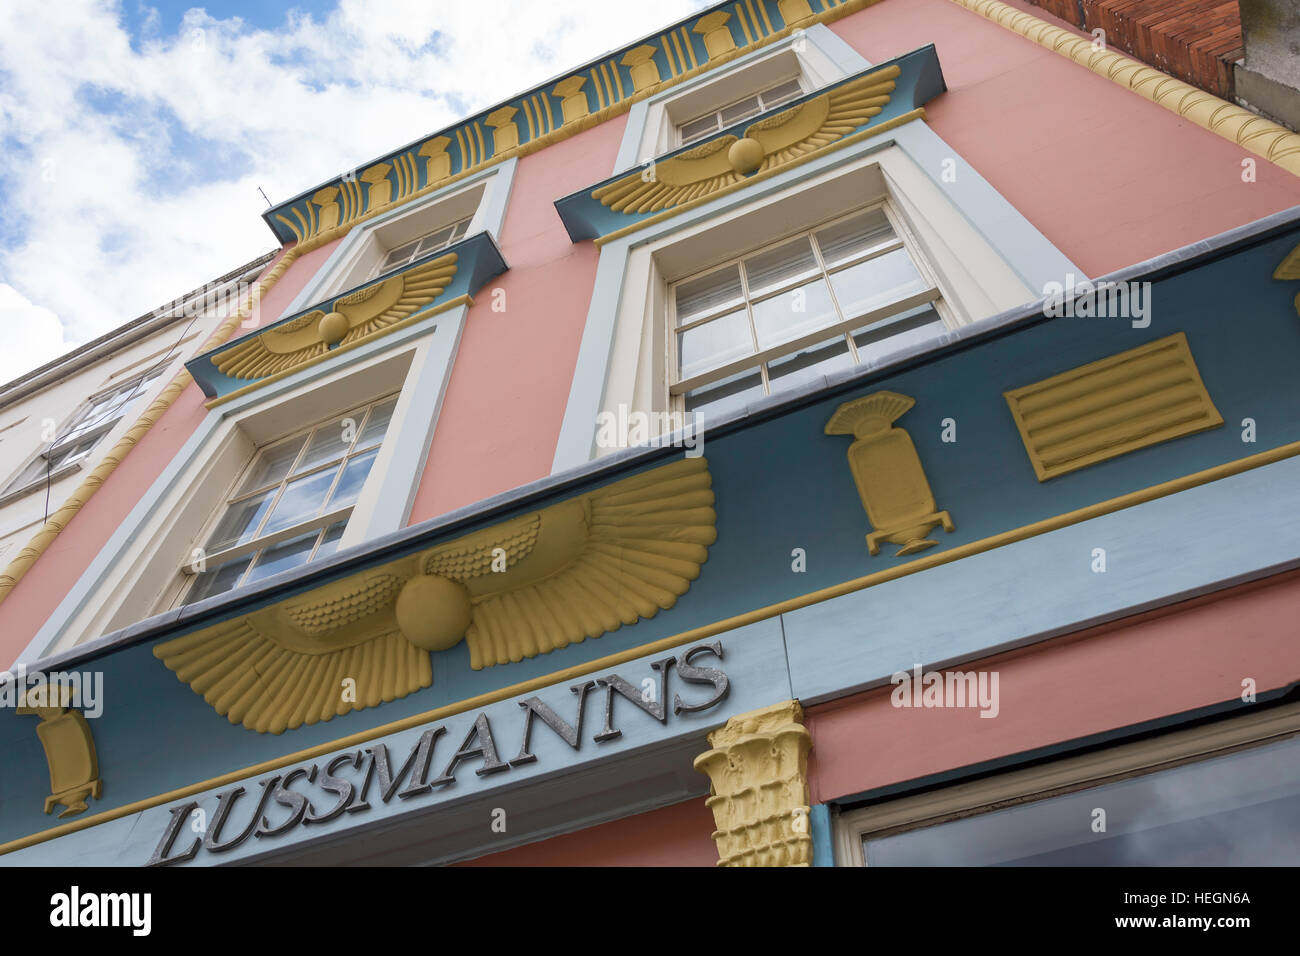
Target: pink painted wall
[(1109, 177), (505, 401), (680, 835), (1145, 667), (41, 590)]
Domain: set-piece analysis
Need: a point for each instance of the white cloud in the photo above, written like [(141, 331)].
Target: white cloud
[(130, 175), (33, 335)]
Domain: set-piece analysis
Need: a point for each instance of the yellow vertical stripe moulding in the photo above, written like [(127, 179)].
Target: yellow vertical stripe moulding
[(1248, 130)]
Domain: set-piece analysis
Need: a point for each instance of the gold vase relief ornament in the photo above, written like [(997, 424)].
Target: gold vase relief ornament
[(887, 470), (524, 587)]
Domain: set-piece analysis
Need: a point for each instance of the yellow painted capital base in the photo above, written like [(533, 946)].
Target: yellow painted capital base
[(759, 769)]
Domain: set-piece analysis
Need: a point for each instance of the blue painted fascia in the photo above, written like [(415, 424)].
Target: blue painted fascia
[(479, 260), (920, 80)]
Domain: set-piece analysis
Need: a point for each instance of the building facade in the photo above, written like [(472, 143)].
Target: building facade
[(824, 432)]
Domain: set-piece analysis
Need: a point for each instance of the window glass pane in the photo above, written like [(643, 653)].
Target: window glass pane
[(282, 557), (913, 327), (402, 253), (713, 343), (804, 366), (354, 476), (330, 441), (742, 110), (460, 229), (1240, 809), (239, 523), (217, 580), (377, 424), (779, 94), (330, 543), (849, 238), (301, 499), (435, 241), (876, 282), (780, 265), (700, 127), (34, 472), (792, 314), (708, 292), (728, 395), (273, 464)]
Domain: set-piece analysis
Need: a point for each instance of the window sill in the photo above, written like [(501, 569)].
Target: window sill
[(57, 474)]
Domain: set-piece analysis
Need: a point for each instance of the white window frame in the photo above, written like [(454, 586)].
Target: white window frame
[(144, 382), (765, 104), (1058, 778), (931, 295), (189, 572), (457, 233)]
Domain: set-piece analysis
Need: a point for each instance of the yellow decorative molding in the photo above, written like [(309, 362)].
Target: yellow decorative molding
[(640, 62), (437, 161), (573, 102), (888, 472), (768, 145), (718, 40), (351, 317), (694, 635), (1097, 411), (857, 137), (69, 751), (380, 187), (1248, 130), (1289, 268), (572, 571), (505, 132), (759, 769), (428, 313), (792, 11)]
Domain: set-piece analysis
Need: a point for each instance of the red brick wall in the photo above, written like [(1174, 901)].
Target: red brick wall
[(1194, 40)]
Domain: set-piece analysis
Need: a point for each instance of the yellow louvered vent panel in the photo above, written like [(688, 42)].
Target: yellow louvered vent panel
[(1116, 405)]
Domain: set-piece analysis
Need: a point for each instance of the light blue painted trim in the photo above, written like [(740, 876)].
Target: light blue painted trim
[(632, 133), (822, 835), (401, 480), (1157, 553), (1030, 254), (494, 214), (114, 550)]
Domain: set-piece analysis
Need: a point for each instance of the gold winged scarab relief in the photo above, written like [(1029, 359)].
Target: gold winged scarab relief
[(350, 318), (768, 144), (526, 586)]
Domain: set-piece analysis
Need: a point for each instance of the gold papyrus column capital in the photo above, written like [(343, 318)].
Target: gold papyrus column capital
[(759, 769)]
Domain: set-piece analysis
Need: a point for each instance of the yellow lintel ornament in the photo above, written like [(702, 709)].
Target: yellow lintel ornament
[(888, 472)]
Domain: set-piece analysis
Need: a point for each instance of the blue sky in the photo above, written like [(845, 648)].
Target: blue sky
[(134, 137)]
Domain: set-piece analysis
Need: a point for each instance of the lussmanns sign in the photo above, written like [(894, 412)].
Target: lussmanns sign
[(314, 795)]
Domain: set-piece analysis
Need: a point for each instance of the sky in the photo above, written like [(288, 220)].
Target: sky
[(134, 137)]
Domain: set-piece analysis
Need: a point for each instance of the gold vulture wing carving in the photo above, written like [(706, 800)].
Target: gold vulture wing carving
[(822, 120), (701, 171), (523, 587), (768, 144), (351, 317)]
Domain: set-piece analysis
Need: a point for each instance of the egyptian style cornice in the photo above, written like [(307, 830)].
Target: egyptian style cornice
[(552, 111), (870, 102), (523, 587), (393, 301)]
